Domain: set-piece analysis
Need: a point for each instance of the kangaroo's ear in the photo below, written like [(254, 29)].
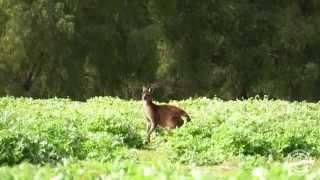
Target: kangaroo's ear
[(144, 89), (150, 89)]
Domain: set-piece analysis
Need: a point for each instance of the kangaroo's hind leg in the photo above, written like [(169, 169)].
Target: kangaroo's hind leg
[(152, 127), (178, 122), (148, 126)]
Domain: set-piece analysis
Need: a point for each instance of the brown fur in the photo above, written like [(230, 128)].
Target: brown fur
[(166, 116)]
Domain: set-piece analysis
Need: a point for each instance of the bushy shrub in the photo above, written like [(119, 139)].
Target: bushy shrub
[(41, 131), (255, 127), (108, 128)]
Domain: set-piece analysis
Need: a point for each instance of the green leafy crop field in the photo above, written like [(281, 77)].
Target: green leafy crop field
[(102, 138)]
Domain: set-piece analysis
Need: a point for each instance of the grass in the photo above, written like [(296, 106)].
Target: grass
[(103, 138)]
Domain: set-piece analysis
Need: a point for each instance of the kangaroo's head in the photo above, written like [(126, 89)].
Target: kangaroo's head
[(146, 94)]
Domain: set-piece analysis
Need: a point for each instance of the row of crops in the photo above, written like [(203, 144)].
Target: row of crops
[(106, 134)]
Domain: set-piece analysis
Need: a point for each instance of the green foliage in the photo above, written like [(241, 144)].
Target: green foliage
[(133, 170), (103, 138), (49, 130), (227, 48), (256, 127), (51, 48), (108, 128)]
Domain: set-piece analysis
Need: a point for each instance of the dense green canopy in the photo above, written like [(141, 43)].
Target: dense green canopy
[(228, 48)]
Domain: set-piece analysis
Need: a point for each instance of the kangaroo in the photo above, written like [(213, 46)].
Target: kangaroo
[(166, 116)]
